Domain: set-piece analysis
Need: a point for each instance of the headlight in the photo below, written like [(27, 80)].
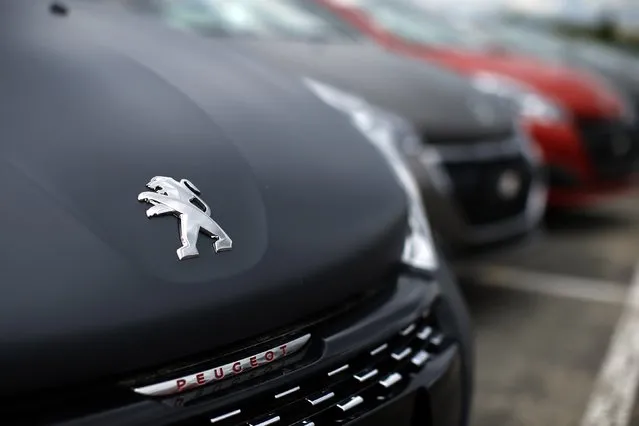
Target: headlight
[(383, 130), (527, 101)]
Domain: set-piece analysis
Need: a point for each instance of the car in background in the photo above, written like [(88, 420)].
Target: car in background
[(298, 295), (480, 181), (619, 68), (586, 132)]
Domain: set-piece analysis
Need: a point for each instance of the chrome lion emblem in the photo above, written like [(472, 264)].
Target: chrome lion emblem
[(181, 199)]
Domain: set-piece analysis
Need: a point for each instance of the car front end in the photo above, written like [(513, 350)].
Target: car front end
[(587, 131), (487, 193), (194, 240)]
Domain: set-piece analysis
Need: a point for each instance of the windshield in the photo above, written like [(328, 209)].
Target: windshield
[(414, 24), (248, 18), (530, 40), (605, 56)]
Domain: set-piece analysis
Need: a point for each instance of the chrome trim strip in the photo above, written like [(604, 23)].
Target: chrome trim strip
[(398, 356), (354, 402), (420, 358), (320, 399), (379, 349), (181, 384), (424, 333), (366, 375), (338, 370), (390, 380), (408, 330), (437, 339), (225, 416), (287, 392), (270, 421)]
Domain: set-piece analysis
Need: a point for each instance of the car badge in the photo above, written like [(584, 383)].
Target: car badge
[(222, 372), (168, 196), (509, 184)]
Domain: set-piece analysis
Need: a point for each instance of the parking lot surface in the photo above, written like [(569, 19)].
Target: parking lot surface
[(545, 313)]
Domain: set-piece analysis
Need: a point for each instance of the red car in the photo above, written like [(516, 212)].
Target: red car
[(586, 131)]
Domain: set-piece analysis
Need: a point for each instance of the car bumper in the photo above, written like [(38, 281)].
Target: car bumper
[(434, 389)]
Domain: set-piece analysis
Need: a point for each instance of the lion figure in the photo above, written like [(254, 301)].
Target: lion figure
[(168, 196)]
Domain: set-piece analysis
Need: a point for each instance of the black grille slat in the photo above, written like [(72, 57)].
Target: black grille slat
[(476, 189), (346, 389), (612, 146)]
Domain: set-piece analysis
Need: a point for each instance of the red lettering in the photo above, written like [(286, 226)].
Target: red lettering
[(200, 379), (219, 373), (283, 349), (181, 384), (237, 367), (269, 356), (253, 361)]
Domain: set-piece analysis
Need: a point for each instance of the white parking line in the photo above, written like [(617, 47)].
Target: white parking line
[(549, 284), (614, 392)]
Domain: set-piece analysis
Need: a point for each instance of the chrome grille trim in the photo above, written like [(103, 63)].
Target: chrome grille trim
[(269, 421), (379, 349), (318, 400), (372, 376), (390, 380), (366, 375), (420, 358), (398, 356), (424, 333), (225, 416), (408, 330), (287, 392), (228, 370), (350, 404), (338, 370)]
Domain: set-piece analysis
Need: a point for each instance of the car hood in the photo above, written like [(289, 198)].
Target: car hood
[(91, 111), (577, 91), (441, 104)]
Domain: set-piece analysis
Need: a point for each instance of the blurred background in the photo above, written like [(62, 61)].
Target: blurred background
[(610, 21)]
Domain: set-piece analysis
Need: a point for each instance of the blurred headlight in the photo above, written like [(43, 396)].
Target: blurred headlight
[(387, 133), (527, 101)]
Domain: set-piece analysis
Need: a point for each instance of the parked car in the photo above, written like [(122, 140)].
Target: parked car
[(619, 68), (297, 295), (587, 135), (479, 179)]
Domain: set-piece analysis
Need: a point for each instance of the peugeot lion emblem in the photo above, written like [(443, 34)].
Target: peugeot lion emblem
[(168, 196)]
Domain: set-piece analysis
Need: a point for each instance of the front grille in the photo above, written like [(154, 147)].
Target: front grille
[(612, 146), (344, 391), (468, 139), (478, 192)]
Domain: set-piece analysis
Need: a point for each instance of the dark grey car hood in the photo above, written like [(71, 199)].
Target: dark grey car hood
[(437, 101), (93, 107)]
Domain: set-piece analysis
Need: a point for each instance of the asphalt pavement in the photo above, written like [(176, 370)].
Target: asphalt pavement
[(544, 316)]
